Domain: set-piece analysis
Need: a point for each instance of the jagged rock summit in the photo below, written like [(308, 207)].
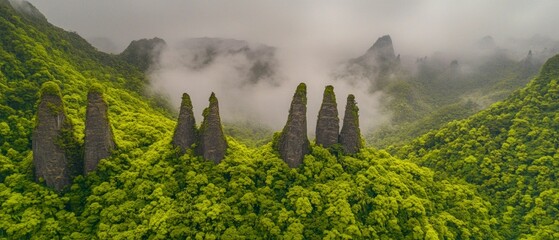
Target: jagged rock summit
[(350, 136), (52, 130), (377, 65), (382, 50), (293, 143), (142, 53), (213, 144), (328, 123), (99, 139), (185, 133)]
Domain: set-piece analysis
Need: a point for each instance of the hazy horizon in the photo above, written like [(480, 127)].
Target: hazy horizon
[(311, 36), (351, 26)]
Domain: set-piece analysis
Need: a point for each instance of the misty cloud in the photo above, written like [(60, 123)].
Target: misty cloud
[(265, 101), (420, 27), (311, 39)]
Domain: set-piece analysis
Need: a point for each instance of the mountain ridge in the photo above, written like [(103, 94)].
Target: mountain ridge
[(144, 190), (509, 151), (147, 188)]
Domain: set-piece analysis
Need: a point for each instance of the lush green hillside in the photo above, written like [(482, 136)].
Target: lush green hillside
[(510, 151), (147, 190), (439, 92)]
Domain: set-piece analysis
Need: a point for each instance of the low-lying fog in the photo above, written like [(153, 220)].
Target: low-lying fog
[(296, 41)]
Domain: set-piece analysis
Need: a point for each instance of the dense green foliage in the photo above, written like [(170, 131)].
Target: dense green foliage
[(437, 93), (148, 190), (511, 152), (248, 133)]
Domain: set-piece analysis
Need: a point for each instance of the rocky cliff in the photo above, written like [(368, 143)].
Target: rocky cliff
[(293, 143), (212, 144), (144, 52), (328, 123), (99, 139), (50, 139), (350, 136), (185, 133), (382, 50), (377, 65)]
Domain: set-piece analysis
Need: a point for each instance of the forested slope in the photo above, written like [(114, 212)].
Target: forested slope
[(146, 189), (510, 151)]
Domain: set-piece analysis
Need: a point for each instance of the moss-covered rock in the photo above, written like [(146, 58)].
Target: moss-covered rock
[(54, 145), (328, 123), (293, 142), (185, 133), (212, 145), (99, 140), (350, 136)]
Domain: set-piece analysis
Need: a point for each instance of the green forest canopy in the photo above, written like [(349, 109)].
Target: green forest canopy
[(147, 190)]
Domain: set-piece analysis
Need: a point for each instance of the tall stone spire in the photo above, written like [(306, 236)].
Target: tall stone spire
[(213, 144), (99, 139), (52, 136), (350, 136), (185, 132), (328, 123), (293, 143)]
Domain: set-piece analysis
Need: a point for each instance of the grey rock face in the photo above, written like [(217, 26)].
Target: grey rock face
[(49, 157), (185, 132), (383, 50), (293, 143), (99, 139), (144, 52), (328, 123), (350, 136), (212, 140)]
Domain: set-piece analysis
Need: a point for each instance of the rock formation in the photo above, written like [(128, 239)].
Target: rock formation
[(382, 50), (142, 53), (212, 144), (99, 139), (377, 65), (185, 132), (52, 137), (293, 143), (350, 136), (328, 123)]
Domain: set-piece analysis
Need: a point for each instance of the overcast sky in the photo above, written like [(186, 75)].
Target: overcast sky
[(309, 35), (345, 26)]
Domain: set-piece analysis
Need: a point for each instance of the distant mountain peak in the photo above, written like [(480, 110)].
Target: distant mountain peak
[(141, 53), (382, 49)]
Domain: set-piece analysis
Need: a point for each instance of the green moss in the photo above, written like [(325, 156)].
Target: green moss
[(354, 108), (97, 88), (186, 100), (551, 66), (51, 88), (213, 99), (68, 142), (329, 89), (352, 104), (329, 94), (301, 92), (275, 140), (205, 113), (301, 89)]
